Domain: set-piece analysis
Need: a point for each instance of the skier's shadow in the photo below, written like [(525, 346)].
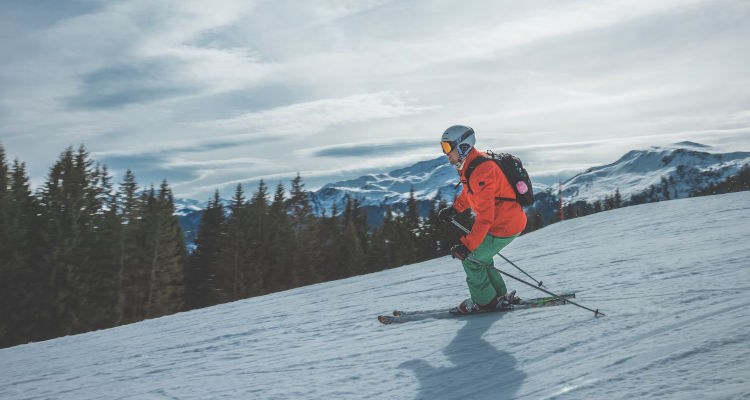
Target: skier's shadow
[(479, 371)]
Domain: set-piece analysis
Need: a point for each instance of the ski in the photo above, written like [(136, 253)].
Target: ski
[(406, 316), (536, 301)]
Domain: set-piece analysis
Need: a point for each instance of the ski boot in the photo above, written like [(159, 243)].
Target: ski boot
[(468, 306)]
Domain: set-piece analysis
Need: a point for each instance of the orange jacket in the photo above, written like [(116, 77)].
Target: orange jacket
[(498, 218)]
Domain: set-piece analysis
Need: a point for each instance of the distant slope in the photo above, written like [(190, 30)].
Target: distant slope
[(687, 166), (671, 276)]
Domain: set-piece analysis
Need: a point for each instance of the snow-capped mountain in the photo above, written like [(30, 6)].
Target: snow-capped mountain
[(685, 166), (676, 327), (184, 207), (657, 173), (433, 179)]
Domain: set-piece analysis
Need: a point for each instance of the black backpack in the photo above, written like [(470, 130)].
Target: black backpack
[(513, 170)]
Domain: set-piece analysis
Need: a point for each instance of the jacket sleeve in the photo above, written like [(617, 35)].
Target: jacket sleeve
[(461, 203), (484, 183)]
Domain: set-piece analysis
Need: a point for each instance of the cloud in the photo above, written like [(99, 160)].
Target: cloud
[(210, 94), (215, 164), (319, 115), (356, 150), (150, 169), (120, 85)]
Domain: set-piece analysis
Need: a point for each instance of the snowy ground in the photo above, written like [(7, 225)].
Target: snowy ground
[(672, 277)]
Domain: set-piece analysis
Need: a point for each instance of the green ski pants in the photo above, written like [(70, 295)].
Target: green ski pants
[(486, 283)]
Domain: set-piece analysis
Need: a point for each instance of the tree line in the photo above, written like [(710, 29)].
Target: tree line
[(734, 183), (80, 255), (267, 243), (83, 253)]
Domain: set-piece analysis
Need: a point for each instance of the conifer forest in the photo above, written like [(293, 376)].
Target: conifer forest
[(83, 253)]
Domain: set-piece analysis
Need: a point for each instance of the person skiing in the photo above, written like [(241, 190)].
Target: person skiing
[(497, 222)]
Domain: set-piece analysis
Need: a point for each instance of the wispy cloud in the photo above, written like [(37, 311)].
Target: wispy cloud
[(369, 149), (211, 94), (316, 116)]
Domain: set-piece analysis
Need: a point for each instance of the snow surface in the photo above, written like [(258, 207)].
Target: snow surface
[(672, 278)]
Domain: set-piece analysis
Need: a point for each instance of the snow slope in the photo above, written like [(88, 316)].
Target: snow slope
[(689, 165), (672, 278)]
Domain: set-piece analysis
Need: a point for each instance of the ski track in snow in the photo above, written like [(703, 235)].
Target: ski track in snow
[(671, 277)]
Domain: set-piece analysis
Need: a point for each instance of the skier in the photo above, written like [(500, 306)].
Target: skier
[(498, 222)]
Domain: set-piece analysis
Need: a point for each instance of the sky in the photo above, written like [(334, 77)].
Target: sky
[(211, 94)]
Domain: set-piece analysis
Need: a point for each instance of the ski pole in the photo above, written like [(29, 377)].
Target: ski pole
[(475, 261), (539, 283)]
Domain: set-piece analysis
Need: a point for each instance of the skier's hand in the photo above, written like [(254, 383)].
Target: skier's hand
[(460, 251), (447, 214)]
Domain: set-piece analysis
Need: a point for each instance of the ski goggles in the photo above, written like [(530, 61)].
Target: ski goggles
[(448, 146)]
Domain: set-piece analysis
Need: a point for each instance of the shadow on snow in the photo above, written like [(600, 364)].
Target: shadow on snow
[(479, 371)]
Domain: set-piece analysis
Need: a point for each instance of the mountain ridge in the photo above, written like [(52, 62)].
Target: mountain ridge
[(684, 167)]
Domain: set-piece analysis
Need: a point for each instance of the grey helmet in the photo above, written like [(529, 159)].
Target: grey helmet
[(458, 136)]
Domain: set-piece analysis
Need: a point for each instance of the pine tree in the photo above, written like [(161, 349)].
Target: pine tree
[(259, 236), (414, 246), (303, 243), (4, 204), (277, 269), (8, 266), (348, 249), (403, 240), (412, 212), (127, 246), (232, 274), (359, 218), (164, 251), (382, 254), (23, 313), (200, 286), (5, 248), (105, 234), (66, 212), (329, 264)]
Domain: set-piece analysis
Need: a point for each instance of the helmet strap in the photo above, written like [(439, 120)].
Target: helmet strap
[(460, 163)]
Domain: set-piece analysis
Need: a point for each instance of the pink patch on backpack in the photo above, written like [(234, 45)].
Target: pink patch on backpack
[(521, 187)]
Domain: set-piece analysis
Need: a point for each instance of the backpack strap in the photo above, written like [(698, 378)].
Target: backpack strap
[(473, 165)]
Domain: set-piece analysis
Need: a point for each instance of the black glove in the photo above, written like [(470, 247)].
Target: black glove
[(447, 214), (460, 251)]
